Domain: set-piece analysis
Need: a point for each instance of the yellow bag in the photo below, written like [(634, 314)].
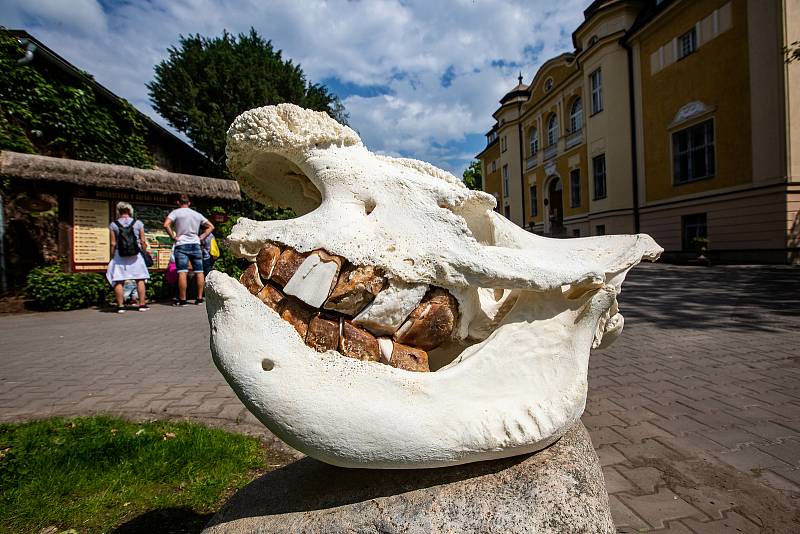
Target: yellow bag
[(214, 248)]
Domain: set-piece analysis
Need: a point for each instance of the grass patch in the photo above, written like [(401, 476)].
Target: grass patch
[(96, 473)]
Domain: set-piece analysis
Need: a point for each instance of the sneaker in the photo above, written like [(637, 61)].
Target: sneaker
[(144, 308), (198, 301), (180, 303), (121, 309)]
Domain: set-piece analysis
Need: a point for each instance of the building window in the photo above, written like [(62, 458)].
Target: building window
[(534, 141), (548, 85), (504, 143), (534, 202), (592, 41), (596, 83), (687, 43), (505, 181), (599, 169), (576, 115), (552, 130), (693, 153), (576, 232), (693, 228), (600, 229), (507, 212), (575, 188), (494, 165)]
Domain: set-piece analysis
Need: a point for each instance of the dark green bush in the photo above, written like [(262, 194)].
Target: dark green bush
[(53, 289), (157, 287), (228, 263)]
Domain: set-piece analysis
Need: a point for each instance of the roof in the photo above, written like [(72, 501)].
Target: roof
[(104, 175), (75, 73), (520, 90)]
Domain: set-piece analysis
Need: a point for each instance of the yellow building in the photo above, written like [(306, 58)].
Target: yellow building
[(676, 118)]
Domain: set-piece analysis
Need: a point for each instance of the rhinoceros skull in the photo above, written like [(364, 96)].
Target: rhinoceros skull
[(510, 378)]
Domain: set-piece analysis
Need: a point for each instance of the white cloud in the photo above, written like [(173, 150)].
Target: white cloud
[(404, 45)]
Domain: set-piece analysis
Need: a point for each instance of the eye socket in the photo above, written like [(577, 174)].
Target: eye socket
[(276, 180), (267, 364)]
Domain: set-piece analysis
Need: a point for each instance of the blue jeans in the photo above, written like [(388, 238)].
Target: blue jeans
[(188, 253)]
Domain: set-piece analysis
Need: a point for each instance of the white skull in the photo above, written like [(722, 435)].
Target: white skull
[(514, 377)]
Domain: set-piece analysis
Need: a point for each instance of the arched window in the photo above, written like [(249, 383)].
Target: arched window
[(552, 129), (548, 85), (534, 141), (576, 115)]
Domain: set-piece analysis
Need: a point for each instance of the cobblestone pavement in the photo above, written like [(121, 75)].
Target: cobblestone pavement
[(695, 411)]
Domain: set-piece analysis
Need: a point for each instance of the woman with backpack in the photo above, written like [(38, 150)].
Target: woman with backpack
[(127, 261)]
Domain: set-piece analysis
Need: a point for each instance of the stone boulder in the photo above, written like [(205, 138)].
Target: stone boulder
[(558, 489)]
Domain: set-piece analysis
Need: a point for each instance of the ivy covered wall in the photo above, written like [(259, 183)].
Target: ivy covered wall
[(43, 112)]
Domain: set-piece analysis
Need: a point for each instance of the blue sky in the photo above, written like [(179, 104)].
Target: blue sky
[(419, 79)]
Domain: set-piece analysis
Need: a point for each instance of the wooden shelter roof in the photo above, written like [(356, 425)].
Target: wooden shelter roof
[(104, 175)]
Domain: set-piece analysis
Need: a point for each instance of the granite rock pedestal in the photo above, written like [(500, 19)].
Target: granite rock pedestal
[(558, 489)]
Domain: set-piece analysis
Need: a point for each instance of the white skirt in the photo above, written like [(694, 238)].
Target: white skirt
[(127, 268)]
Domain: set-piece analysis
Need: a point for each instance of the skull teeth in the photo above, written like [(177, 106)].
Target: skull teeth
[(411, 318)]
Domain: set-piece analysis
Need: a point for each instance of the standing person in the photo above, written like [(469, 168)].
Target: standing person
[(127, 263), (208, 258), (188, 224)]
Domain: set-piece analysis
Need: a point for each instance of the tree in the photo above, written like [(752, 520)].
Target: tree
[(472, 176), (207, 82)]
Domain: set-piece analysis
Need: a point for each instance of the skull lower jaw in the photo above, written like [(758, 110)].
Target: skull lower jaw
[(513, 393)]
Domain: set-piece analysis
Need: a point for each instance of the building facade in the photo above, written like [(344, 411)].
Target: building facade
[(680, 119)]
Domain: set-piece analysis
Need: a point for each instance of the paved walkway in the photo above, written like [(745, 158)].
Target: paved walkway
[(695, 411)]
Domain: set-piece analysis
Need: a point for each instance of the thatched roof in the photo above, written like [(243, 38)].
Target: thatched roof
[(104, 175)]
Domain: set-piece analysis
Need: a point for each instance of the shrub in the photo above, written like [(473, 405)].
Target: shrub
[(228, 263), (157, 287), (53, 289)]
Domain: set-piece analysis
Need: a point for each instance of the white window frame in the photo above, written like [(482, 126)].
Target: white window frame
[(576, 115), (599, 177), (552, 129), (575, 188), (534, 141), (707, 147), (596, 84), (505, 181), (687, 43)]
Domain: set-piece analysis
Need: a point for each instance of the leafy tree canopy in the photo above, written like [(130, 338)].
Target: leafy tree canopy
[(44, 112), (472, 176), (206, 82)]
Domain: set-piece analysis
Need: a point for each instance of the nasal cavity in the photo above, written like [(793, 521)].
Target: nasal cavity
[(267, 364)]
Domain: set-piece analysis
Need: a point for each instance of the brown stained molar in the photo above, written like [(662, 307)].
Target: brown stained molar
[(358, 343), (323, 333), (287, 265), (251, 280), (409, 358), (267, 259), (298, 314), (357, 286), (272, 297), (431, 323), (354, 287)]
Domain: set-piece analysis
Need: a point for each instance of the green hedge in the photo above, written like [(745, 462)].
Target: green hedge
[(53, 289)]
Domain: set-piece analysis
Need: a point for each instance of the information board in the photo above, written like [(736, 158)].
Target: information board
[(90, 239)]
